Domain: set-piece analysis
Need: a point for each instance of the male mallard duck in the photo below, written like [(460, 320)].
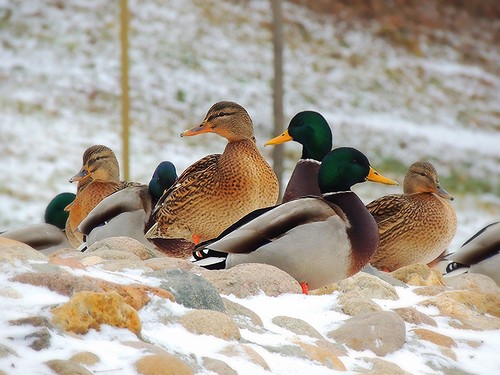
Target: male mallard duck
[(417, 226), (49, 236), (219, 189), (98, 178), (163, 177), (316, 239), (311, 130), (479, 254)]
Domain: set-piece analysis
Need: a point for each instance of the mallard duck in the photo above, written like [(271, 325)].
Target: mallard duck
[(98, 178), (312, 131), (316, 239), (417, 226), (479, 254), (219, 189), (163, 177), (49, 236), (123, 213)]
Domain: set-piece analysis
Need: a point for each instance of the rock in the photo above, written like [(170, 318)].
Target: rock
[(209, 322), (432, 290), (8, 292), (434, 337), (297, 326), (70, 261), (63, 367), (369, 286), (243, 316), (112, 254), (472, 281), (86, 310), (381, 367), (85, 358), (120, 243), (190, 290), (122, 265), (169, 263), (11, 250), (217, 366), (162, 364), (65, 283), (40, 339), (413, 316), (322, 356), (369, 269), (251, 279), (418, 275), (382, 332), (6, 351), (355, 303), (247, 352), (35, 321), (468, 307)]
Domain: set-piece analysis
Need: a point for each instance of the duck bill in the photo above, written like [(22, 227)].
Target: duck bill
[(82, 175), (443, 193), (282, 138), (377, 177), (200, 129)]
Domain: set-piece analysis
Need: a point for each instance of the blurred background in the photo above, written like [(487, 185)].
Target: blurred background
[(401, 80)]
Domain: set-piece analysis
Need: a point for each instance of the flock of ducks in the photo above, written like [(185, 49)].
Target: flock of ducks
[(223, 210)]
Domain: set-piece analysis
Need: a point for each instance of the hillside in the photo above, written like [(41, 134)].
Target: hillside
[(380, 93)]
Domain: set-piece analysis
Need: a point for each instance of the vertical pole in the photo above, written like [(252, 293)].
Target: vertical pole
[(278, 86), (125, 99)]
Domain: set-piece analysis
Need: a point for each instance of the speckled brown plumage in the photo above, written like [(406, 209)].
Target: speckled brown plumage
[(417, 226), (98, 178), (218, 190)]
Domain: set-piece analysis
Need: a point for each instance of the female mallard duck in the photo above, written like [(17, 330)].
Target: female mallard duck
[(311, 130), (417, 226), (219, 189), (316, 239), (49, 236), (479, 254), (98, 178)]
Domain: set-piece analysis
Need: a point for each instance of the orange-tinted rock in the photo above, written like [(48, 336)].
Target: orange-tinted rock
[(162, 364)]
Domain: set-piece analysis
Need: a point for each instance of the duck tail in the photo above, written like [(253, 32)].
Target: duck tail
[(209, 259)]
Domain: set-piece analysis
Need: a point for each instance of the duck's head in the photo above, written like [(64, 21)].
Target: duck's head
[(312, 131), (164, 176), (55, 213), (99, 163), (344, 167), (422, 177), (227, 119)]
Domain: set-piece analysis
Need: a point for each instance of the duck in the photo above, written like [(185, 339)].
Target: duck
[(219, 189), (318, 240), (164, 176), (312, 131), (49, 236), (479, 254), (416, 226), (98, 178)]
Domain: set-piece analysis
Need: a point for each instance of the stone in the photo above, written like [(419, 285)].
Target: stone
[(242, 314), (112, 254), (40, 339), (120, 243), (413, 316), (9, 292), (418, 275), (217, 366), (322, 356), (472, 281), (122, 265), (169, 263), (63, 367), (162, 364), (12, 250), (434, 337), (189, 290), (369, 286), (381, 367), (251, 279), (382, 332), (210, 322), (355, 303), (432, 290), (85, 358), (86, 310), (65, 283), (6, 351), (247, 352), (71, 262), (369, 269), (297, 326)]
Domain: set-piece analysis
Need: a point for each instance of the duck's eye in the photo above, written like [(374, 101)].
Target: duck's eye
[(222, 114), (422, 174)]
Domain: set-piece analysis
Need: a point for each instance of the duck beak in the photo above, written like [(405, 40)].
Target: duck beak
[(84, 173), (377, 177), (443, 193), (282, 138), (204, 127)]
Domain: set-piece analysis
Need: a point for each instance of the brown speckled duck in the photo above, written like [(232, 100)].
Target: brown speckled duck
[(417, 226), (219, 189), (98, 178)]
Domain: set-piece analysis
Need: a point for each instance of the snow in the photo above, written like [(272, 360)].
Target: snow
[(60, 94)]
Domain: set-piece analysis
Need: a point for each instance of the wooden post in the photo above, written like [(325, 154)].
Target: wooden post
[(125, 99)]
